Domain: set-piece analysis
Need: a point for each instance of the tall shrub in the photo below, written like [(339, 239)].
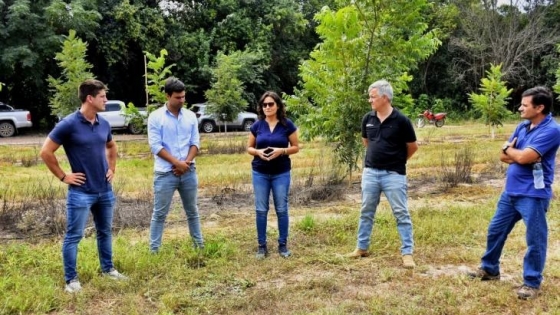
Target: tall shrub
[(157, 74), (491, 102), (75, 70), (225, 97)]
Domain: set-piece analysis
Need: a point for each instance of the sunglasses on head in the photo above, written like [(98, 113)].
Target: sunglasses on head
[(268, 104)]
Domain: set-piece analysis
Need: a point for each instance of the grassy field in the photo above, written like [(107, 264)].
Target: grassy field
[(450, 225)]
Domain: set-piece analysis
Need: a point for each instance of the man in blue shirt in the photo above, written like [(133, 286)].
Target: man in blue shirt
[(530, 153), (92, 154), (174, 140)]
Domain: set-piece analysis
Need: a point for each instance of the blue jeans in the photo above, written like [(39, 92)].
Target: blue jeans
[(509, 210), (394, 186), (279, 184), (165, 185), (78, 206)]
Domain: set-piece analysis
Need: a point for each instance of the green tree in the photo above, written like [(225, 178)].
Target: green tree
[(506, 34), (30, 35), (361, 43), (157, 74), (491, 103), (73, 15), (75, 69), (129, 26), (250, 69), (281, 30), (431, 78), (225, 97), (556, 86), (286, 37)]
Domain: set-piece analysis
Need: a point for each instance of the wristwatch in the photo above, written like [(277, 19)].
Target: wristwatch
[(505, 147)]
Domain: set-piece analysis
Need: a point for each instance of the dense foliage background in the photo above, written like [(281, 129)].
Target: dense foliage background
[(278, 35)]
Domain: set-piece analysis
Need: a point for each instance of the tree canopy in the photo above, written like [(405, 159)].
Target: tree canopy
[(521, 35), (361, 43), (118, 32)]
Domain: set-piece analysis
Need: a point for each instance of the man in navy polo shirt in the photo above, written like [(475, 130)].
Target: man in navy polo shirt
[(531, 154), (390, 141), (92, 154)]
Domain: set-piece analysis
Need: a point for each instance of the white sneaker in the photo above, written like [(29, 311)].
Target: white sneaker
[(73, 286), (115, 275)]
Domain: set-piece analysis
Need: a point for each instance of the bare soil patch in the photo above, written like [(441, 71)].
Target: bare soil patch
[(228, 202)]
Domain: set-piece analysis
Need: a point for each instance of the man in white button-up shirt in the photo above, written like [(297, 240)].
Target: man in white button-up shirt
[(174, 140)]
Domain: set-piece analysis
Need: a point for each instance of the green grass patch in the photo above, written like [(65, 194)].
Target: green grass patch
[(226, 278)]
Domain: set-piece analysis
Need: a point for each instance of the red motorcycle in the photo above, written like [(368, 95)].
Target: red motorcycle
[(436, 119)]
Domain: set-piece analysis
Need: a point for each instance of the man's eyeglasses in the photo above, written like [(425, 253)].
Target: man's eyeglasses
[(268, 104)]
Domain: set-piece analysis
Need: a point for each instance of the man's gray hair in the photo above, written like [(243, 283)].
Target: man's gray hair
[(383, 88)]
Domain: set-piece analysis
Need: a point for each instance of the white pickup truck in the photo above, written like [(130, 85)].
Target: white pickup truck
[(114, 113), (13, 119)]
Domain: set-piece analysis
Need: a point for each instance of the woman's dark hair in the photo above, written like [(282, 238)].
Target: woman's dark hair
[(540, 96), (281, 111)]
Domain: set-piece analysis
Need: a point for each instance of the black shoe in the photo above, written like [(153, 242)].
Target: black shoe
[(284, 251), (262, 252), (483, 275)]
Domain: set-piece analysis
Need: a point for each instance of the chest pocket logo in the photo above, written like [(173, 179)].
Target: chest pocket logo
[(373, 132)]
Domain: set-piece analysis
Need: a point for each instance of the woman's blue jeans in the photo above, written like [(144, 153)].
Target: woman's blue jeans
[(279, 184), (78, 206), (511, 209), (394, 186), (165, 185)]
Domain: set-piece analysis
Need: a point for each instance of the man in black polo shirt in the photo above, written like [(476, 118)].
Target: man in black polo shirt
[(390, 141)]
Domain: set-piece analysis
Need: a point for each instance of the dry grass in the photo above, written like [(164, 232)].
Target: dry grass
[(449, 224), (317, 279)]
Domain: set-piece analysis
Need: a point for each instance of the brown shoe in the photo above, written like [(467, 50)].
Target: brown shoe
[(408, 262), (483, 275), (357, 253), (527, 293)]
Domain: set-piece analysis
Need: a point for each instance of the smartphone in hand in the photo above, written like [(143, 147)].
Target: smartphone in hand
[(268, 151)]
